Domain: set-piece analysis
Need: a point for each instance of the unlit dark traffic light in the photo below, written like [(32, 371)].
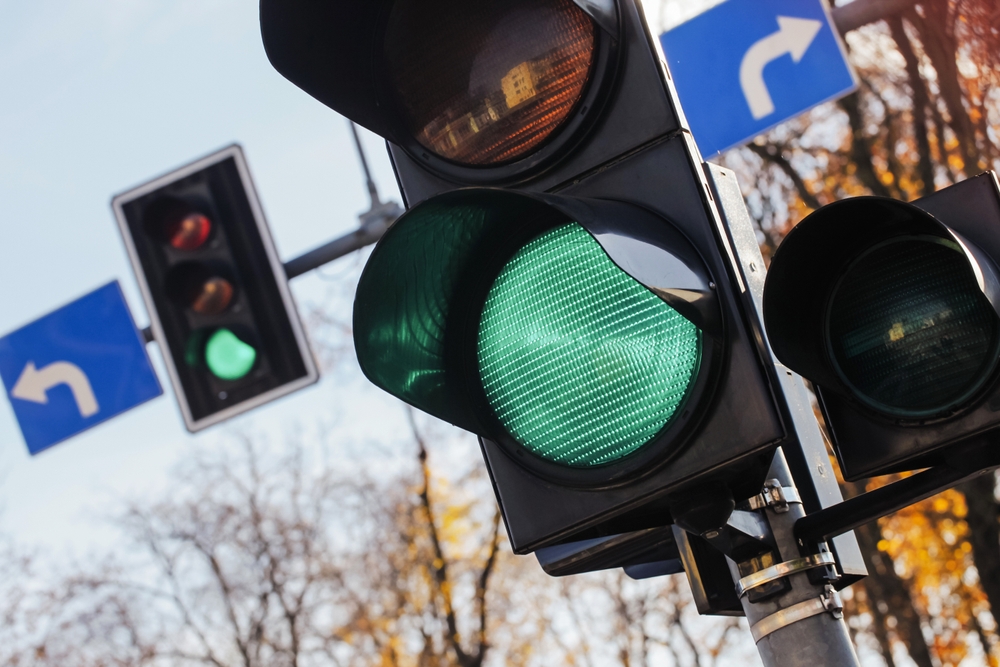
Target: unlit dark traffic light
[(890, 309)]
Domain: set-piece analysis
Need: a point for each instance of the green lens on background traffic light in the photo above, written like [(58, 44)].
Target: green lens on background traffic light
[(228, 357), (909, 329), (580, 363)]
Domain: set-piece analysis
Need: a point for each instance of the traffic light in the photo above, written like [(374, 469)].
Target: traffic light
[(562, 284), (891, 310), (216, 292)]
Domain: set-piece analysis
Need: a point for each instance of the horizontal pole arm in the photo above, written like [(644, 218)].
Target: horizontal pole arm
[(335, 249), (862, 12), (859, 510)]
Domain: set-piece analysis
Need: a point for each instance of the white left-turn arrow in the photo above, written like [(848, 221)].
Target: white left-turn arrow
[(793, 37), (34, 384)]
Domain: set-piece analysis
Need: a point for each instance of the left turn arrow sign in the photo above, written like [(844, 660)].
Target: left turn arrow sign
[(34, 383)]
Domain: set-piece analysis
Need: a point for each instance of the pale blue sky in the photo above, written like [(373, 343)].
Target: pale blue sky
[(96, 97)]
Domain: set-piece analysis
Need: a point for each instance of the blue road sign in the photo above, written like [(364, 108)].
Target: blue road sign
[(744, 66), (75, 368)]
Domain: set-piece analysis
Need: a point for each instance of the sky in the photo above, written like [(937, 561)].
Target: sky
[(97, 97), (94, 99)]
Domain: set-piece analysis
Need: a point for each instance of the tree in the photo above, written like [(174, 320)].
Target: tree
[(258, 559), (254, 564)]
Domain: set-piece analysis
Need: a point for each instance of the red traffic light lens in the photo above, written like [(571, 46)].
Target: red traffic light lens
[(178, 223), (189, 232), (486, 83)]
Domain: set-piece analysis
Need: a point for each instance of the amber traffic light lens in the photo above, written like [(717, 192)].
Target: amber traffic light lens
[(213, 296), (484, 83), (199, 287), (189, 232)]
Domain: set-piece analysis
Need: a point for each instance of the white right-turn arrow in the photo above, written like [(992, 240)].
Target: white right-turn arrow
[(793, 37), (34, 384)]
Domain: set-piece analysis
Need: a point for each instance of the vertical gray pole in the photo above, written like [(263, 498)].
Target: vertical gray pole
[(803, 627)]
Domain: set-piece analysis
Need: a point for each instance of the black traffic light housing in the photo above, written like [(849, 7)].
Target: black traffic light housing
[(924, 400), (215, 290), (620, 162), (332, 51)]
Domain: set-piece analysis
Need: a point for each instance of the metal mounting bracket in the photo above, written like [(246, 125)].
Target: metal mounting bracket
[(775, 496), (829, 601), (782, 570)]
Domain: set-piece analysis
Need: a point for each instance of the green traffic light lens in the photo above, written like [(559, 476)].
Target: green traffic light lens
[(228, 357), (580, 363), (909, 329)]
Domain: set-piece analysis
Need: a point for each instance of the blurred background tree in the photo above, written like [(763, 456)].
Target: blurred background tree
[(284, 560)]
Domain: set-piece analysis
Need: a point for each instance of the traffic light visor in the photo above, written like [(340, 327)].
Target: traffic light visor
[(876, 299), (484, 83), (508, 313)]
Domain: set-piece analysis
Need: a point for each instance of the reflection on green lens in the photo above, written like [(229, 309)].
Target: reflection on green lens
[(909, 329), (581, 364)]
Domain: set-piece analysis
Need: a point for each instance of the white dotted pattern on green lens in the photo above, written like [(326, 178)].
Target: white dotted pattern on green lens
[(581, 364)]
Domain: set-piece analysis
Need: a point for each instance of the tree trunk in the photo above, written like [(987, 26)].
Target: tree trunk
[(885, 586), (921, 102), (984, 535)]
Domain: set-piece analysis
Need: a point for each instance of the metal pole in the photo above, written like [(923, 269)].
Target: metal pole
[(374, 223), (804, 626), (328, 252), (372, 190), (862, 12)]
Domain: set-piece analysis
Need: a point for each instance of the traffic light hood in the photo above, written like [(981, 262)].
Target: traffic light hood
[(332, 49), (811, 263), (422, 292)]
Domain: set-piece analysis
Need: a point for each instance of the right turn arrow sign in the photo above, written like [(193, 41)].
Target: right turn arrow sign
[(793, 37)]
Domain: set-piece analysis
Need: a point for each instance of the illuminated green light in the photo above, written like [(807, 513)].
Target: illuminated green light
[(909, 329), (580, 363), (228, 357)]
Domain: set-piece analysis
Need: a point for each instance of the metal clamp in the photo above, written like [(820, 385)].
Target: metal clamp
[(828, 602), (775, 496), (782, 570)]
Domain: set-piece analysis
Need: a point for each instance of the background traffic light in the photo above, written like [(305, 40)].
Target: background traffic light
[(216, 293), (585, 315), (891, 310)]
